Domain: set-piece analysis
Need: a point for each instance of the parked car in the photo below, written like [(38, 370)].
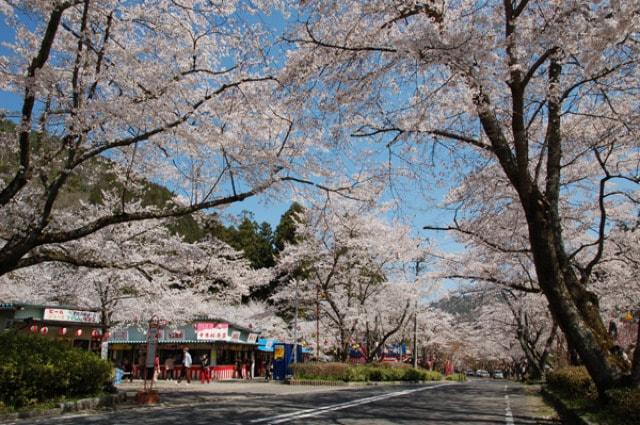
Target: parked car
[(469, 372), (497, 374), (482, 373)]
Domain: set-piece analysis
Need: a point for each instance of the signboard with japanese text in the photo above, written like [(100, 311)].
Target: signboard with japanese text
[(78, 316), (212, 331), (252, 338), (171, 335), (235, 336)]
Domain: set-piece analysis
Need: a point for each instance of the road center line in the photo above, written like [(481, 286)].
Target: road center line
[(508, 415), (307, 413)]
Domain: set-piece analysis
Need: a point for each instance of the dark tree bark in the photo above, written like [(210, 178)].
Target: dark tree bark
[(635, 364)]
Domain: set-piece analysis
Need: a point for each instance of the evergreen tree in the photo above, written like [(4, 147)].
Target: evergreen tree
[(286, 229)]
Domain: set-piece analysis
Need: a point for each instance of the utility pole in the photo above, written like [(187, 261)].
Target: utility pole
[(415, 335), (317, 322), (415, 322), (295, 327)]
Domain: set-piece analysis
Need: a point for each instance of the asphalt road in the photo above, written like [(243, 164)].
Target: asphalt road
[(475, 402)]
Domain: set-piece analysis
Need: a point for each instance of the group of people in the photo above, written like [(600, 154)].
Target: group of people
[(242, 368)]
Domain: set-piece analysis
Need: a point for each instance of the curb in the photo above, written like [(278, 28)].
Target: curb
[(313, 382), (316, 383), (568, 415), (92, 403)]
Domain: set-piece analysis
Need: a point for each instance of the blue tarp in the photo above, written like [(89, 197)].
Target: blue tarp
[(266, 344)]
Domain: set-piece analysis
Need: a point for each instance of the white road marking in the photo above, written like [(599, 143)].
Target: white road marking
[(320, 410), (508, 415)]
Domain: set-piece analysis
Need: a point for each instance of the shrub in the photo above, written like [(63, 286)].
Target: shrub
[(458, 377), (413, 375), (323, 371), (625, 403), (571, 380), (360, 373), (375, 374), (356, 374), (37, 369), (393, 373)]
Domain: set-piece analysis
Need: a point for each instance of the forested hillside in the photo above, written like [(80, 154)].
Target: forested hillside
[(259, 242)]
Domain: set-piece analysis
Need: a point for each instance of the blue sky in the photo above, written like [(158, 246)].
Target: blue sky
[(269, 209)]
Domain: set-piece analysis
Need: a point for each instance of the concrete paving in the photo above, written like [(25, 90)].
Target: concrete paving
[(478, 402), (174, 392)]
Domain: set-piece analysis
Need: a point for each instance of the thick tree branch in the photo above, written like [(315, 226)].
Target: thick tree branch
[(482, 239), (413, 10), (23, 174), (496, 281), (313, 40), (369, 131)]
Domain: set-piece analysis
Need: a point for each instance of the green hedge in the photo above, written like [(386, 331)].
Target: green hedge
[(571, 380), (360, 373), (36, 369), (457, 377)]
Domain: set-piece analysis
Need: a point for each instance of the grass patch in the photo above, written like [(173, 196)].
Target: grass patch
[(610, 414)]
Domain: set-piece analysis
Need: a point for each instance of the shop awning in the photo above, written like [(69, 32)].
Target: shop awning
[(266, 344)]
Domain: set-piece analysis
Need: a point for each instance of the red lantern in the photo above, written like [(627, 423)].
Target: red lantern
[(95, 334), (62, 331), (44, 330), (78, 332), (34, 329), (106, 335)]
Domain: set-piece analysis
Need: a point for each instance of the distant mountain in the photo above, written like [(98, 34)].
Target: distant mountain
[(462, 305)]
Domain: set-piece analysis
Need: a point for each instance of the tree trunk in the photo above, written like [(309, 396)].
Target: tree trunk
[(635, 366), (574, 309), (344, 346)]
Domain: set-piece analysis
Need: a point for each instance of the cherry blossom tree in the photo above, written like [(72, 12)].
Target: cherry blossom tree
[(526, 319), (177, 93), (133, 271), (351, 267), (531, 99), (509, 266)]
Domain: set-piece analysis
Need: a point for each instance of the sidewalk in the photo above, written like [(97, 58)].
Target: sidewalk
[(183, 394), (172, 392)]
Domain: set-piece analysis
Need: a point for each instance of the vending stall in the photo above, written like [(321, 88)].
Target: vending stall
[(230, 349), (78, 326)]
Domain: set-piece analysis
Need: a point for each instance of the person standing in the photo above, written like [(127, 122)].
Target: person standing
[(204, 373), (238, 373), (246, 371), (186, 364), (168, 368), (156, 367)]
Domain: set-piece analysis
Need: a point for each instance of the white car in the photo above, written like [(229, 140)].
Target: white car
[(482, 373), (498, 374)]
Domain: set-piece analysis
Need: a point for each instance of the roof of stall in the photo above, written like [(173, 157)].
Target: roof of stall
[(20, 305)]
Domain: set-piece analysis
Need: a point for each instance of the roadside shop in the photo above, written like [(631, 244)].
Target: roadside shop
[(79, 327), (231, 349)]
